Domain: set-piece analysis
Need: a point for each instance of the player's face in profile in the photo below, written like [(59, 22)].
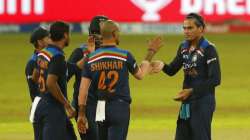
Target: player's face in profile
[(44, 42), (191, 30)]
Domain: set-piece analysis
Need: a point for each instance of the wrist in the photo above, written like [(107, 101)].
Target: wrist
[(67, 105), (82, 110), (151, 50)]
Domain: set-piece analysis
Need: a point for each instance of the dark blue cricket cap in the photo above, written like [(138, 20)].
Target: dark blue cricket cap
[(38, 34)]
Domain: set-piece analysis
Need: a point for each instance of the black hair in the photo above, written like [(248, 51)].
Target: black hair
[(38, 34), (199, 21), (57, 30)]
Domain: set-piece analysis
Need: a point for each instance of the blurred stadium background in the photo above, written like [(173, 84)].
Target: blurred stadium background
[(154, 112)]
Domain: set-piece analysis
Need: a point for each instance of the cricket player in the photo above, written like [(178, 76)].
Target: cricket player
[(39, 39), (77, 55), (105, 77), (53, 109), (200, 62)]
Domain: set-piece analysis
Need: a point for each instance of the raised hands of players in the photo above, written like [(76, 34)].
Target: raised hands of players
[(155, 44), (71, 112), (183, 95), (153, 47), (82, 124), (157, 66), (91, 43)]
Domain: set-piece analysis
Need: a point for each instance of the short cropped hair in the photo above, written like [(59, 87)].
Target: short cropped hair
[(58, 29)]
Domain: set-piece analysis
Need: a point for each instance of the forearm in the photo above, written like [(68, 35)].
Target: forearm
[(144, 69), (172, 68), (56, 92), (150, 54), (83, 93)]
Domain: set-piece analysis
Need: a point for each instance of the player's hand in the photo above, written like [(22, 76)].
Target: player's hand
[(80, 63), (183, 95), (155, 44), (82, 124), (71, 112), (91, 43), (157, 66)]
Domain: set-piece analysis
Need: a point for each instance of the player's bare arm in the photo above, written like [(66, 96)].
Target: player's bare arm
[(82, 122), (153, 47), (54, 88)]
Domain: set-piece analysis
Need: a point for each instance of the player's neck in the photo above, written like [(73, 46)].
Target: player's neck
[(108, 42), (194, 43), (59, 44)]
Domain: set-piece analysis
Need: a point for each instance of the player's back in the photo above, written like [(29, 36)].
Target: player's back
[(108, 68)]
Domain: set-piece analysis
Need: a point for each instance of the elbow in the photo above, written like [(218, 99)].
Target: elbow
[(139, 77), (169, 73), (217, 82)]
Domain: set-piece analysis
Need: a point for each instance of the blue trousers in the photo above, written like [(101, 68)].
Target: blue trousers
[(51, 122), (198, 126), (115, 127)]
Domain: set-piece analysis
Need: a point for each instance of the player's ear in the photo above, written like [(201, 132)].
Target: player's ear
[(201, 29), (115, 34), (66, 35), (39, 43)]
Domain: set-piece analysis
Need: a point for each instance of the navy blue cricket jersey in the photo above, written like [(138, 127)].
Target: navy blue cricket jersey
[(201, 68), (29, 69), (51, 60), (108, 68)]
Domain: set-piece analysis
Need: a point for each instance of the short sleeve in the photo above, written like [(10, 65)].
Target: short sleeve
[(131, 64), (57, 66)]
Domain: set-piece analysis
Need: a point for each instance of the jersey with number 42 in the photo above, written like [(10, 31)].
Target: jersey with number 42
[(108, 69)]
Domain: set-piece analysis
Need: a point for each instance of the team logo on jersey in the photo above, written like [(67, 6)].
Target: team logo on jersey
[(185, 56), (194, 58)]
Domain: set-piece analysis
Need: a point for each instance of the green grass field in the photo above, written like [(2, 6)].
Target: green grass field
[(153, 110)]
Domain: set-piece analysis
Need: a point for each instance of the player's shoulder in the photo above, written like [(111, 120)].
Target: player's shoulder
[(32, 60), (207, 46), (110, 52), (31, 64), (51, 52)]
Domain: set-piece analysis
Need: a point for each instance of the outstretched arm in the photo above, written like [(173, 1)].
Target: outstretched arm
[(153, 47)]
